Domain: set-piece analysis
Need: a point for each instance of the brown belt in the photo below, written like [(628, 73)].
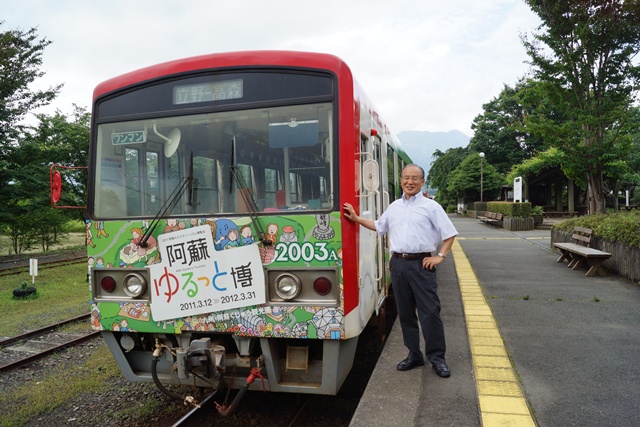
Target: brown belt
[(412, 256)]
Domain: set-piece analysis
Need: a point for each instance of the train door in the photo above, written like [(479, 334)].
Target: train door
[(371, 262), (382, 201)]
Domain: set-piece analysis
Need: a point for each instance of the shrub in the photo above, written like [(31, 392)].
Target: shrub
[(623, 227), (510, 209), (480, 206)]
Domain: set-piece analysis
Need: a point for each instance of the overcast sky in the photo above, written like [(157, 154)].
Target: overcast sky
[(426, 64)]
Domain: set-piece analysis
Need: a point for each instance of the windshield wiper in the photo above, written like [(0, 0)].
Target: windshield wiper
[(247, 195), (186, 182)]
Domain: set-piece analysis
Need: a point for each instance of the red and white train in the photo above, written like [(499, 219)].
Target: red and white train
[(217, 248)]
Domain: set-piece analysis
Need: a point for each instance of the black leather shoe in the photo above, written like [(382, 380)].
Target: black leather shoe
[(442, 370), (407, 364)]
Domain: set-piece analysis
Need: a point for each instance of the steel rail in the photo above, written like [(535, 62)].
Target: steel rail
[(30, 359), (7, 341), (195, 411)]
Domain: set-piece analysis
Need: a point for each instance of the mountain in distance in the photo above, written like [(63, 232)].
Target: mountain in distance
[(420, 145)]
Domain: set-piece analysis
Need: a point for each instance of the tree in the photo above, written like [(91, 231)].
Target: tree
[(469, 178), (551, 158), (20, 61), (65, 141), (440, 171), (499, 133), (25, 195), (583, 59), (626, 175), (54, 140)]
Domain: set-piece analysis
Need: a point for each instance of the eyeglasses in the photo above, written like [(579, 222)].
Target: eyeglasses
[(412, 178)]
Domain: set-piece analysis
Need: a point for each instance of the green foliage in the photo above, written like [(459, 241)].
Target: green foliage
[(24, 285), (27, 152), (510, 209), (439, 173), (499, 131), (583, 62), (64, 140), (75, 226), (61, 293), (480, 206), (57, 386), (25, 209), (544, 160), (537, 210), (465, 181), (623, 227), (20, 61)]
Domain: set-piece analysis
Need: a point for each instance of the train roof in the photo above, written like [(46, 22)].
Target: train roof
[(246, 59), (230, 60)]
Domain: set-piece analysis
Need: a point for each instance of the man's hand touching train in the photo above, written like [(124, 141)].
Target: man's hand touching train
[(350, 214)]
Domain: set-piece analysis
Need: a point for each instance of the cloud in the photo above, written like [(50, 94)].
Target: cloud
[(427, 65)]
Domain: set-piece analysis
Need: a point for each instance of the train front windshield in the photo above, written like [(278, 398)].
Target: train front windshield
[(281, 159)]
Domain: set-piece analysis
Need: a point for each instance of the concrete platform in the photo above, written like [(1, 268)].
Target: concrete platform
[(529, 342)]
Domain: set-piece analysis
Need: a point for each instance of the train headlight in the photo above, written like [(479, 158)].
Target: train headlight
[(288, 286), (120, 284), (311, 286), (135, 285)]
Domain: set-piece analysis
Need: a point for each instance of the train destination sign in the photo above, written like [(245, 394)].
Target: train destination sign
[(206, 92), (132, 137), (193, 278)]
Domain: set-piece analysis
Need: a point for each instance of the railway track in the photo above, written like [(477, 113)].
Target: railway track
[(8, 268), (298, 410), (256, 408), (26, 348), (206, 412)]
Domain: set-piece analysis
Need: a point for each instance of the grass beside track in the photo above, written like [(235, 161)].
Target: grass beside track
[(62, 293), (96, 381), (55, 387)]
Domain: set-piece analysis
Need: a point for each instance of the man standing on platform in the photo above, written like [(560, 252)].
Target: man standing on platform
[(416, 225)]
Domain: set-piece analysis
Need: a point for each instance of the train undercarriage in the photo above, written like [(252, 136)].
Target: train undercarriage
[(225, 360)]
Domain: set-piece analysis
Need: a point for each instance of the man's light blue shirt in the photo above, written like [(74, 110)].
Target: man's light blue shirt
[(415, 225)]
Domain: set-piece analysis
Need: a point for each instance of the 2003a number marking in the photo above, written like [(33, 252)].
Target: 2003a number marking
[(307, 251)]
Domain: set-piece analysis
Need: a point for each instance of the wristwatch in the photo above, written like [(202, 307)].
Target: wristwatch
[(442, 255)]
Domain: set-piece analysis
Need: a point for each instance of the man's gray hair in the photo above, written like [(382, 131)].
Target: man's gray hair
[(417, 166)]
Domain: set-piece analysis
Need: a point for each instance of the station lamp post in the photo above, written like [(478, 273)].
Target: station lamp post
[(481, 175)]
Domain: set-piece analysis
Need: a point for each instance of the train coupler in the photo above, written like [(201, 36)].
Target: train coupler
[(200, 354)]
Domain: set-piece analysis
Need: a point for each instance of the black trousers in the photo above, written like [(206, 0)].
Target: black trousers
[(415, 291)]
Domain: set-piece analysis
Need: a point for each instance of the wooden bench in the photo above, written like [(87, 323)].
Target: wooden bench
[(579, 253), (491, 218)]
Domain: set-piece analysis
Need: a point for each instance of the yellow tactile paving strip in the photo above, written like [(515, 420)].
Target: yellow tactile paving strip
[(499, 394)]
